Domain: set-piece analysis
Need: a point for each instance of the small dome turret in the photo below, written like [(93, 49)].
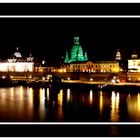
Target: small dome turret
[(17, 53)]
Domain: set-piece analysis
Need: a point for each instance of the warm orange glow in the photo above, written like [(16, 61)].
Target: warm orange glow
[(3, 96), (91, 96), (60, 97), (30, 94), (68, 95), (113, 102), (60, 103), (101, 101), (42, 95), (115, 106), (138, 102), (48, 94), (21, 93), (30, 101), (42, 102), (12, 93), (61, 70)]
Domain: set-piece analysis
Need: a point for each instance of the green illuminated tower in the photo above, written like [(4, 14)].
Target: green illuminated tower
[(76, 53), (66, 58)]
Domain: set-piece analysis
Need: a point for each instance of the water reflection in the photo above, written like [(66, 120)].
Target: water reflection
[(91, 97), (60, 103), (115, 106), (68, 95), (133, 105), (101, 102), (56, 104), (48, 94), (138, 102), (12, 93), (42, 103)]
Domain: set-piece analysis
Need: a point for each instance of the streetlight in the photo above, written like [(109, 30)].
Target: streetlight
[(43, 78)]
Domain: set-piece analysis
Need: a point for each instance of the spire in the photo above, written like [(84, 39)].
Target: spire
[(30, 54), (134, 55), (17, 49), (76, 40), (118, 55), (17, 53)]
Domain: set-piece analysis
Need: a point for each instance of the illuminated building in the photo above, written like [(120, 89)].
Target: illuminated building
[(98, 66), (134, 63), (76, 53), (133, 68), (44, 69), (17, 63), (107, 66)]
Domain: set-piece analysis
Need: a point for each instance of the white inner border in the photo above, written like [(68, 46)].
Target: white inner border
[(69, 16), (69, 123), (69, 1)]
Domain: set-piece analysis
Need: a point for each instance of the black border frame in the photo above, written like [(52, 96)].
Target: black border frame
[(80, 130)]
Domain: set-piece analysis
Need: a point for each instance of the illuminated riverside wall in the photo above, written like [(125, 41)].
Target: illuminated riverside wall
[(67, 75), (133, 76), (94, 76)]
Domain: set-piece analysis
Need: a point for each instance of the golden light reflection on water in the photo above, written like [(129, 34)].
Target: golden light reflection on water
[(30, 95), (133, 103), (60, 103), (101, 102), (3, 95), (115, 97), (42, 103), (48, 94), (42, 96), (16, 103), (21, 89), (12, 93), (60, 97), (28, 104), (68, 95), (138, 102), (91, 97), (20, 101)]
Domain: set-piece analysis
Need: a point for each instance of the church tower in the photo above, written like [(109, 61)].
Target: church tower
[(118, 55), (134, 55), (66, 58), (76, 53)]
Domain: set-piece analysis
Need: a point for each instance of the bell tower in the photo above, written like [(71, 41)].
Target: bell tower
[(118, 55)]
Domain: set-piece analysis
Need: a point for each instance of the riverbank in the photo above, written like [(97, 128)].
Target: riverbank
[(73, 83)]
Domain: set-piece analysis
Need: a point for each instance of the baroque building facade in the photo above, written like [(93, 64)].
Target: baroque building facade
[(17, 63)]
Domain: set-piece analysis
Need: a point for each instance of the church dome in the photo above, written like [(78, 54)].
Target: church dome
[(17, 54), (134, 55)]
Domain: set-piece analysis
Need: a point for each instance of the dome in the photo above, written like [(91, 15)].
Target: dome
[(17, 54), (134, 55)]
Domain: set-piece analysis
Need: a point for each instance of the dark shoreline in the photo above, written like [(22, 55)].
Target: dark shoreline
[(71, 85)]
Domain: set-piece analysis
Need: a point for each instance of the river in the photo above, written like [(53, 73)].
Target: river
[(24, 104)]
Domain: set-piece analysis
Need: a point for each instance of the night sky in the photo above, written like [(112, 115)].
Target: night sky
[(49, 38)]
